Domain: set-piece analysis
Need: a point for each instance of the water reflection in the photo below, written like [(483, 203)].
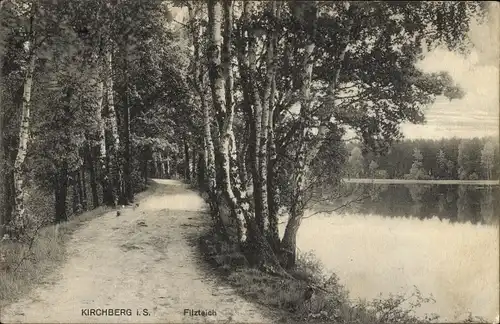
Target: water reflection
[(457, 203)]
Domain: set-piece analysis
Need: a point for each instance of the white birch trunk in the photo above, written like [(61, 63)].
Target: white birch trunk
[(265, 116), (219, 100), (101, 134), (19, 219), (2, 162), (299, 177), (307, 155), (208, 145), (115, 171), (111, 101), (269, 173), (162, 165)]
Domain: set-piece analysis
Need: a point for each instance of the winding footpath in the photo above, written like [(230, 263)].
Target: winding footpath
[(145, 259)]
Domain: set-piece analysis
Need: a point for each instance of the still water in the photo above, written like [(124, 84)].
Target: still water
[(443, 239), (456, 203)]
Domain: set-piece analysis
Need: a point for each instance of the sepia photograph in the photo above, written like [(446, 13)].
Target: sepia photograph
[(237, 161)]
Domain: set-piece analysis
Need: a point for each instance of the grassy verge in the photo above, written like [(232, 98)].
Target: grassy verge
[(330, 302), (23, 266)]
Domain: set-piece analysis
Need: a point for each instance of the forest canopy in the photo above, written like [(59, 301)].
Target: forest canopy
[(248, 100)]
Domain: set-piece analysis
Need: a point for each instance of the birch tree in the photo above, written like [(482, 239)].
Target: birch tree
[(303, 12), (19, 221), (487, 159), (2, 156), (198, 81), (218, 87), (342, 63), (114, 143)]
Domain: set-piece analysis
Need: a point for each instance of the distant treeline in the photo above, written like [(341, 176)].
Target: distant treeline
[(450, 158)]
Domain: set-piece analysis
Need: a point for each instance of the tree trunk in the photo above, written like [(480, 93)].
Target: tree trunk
[(19, 219), (75, 197), (187, 173), (155, 166), (296, 209), (307, 154), (260, 120), (145, 165), (8, 198), (82, 188), (93, 177), (174, 167), (61, 192), (167, 168), (194, 170), (272, 194), (114, 147), (208, 145), (200, 171), (127, 168), (265, 117), (162, 166), (2, 165), (106, 183), (218, 87), (242, 162), (3, 220), (236, 200), (254, 117)]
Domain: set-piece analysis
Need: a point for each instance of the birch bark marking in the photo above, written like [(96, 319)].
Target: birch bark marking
[(115, 171), (256, 135), (101, 123), (2, 156), (298, 180), (219, 101), (19, 217), (305, 157), (271, 156), (208, 145), (128, 194), (265, 118), (102, 150)]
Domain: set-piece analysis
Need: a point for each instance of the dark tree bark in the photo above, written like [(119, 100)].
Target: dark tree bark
[(145, 166), (82, 190), (187, 173), (106, 180), (89, 157), (8, 197), (167, 168), (2, 156), (273, 195), (75, 196), (194, 170), (201, 171), (161, 164), (61, 192), (129, 195), (114, 161), (174, 167)]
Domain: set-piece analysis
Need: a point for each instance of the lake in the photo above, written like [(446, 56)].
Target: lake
[(457, 203), (443, 239)]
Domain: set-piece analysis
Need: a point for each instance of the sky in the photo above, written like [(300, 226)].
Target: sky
[(477, 114)]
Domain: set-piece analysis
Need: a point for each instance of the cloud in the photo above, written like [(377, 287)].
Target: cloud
[(477, 114)]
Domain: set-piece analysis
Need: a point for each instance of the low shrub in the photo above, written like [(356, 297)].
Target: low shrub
[(330, 302)]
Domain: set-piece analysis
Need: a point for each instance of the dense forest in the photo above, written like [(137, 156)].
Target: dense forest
[(247, 100), (448, 158)]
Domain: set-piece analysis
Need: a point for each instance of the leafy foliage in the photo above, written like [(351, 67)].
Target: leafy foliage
[(444, 159)]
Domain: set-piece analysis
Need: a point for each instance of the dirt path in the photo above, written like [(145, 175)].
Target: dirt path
[(117, 263)]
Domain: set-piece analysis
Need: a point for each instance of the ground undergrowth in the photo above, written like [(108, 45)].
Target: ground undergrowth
[(330, 302)]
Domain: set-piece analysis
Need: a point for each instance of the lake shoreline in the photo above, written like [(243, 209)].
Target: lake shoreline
[(434, 182)]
